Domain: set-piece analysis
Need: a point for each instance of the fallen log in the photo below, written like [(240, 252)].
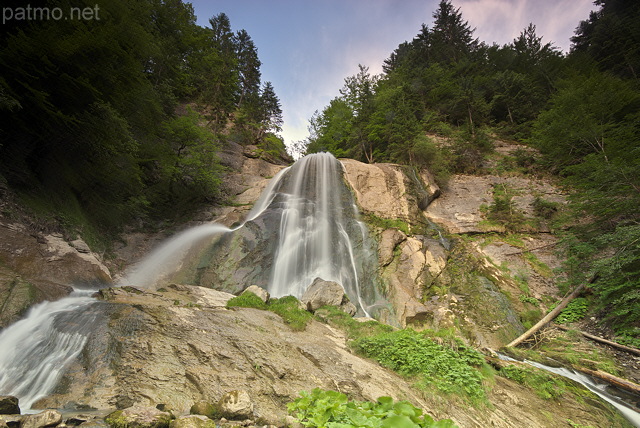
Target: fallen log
[(601, 340), (549, 317), (625, 384)]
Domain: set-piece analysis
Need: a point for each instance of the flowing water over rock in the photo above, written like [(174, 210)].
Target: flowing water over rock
[(600, 389), (304, 226), (318, 229), (35, 351)]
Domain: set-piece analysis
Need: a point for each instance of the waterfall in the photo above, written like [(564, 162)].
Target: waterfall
[(314, 233), (316, 230), (36, 350)]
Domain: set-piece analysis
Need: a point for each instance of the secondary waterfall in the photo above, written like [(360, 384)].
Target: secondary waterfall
[(35, 351)]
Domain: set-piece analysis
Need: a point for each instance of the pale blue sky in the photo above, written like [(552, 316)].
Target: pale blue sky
[(308, 47)]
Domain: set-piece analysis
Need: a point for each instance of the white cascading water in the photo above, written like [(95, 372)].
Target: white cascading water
[(314, 233), (166, 259), (314, 241), (35, 351), (588, 382)]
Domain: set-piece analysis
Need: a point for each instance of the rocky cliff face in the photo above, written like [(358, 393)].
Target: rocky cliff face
[(482, 285), (36, 266)]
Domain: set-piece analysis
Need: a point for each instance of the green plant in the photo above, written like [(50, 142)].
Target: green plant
[(331, 409), (247, 300), (543, 208), (353, 329), (385, 223), (575, 311), (528, 299), (452, 369), (287, 307), (530, 317)]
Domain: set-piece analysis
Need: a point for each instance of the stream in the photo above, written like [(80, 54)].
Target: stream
[(602, 390)]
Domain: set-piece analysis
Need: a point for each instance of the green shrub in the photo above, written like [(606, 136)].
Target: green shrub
[(324, 408), (450, 369), (247, 300), (544, 209), (287, 307), (353, 329)]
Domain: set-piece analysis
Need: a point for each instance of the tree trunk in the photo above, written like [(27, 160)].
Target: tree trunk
[(605, 341), (614, 380), (550, 316)]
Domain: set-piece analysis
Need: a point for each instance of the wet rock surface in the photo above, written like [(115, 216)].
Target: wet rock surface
[(153, 351)]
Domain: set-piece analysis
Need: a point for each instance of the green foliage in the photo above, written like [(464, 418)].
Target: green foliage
[(503, 211), (287, 307), (575, 311), (353, 329), (543, 208), (247, 300), (330, 409), (385, 223), (529, 299), (530, 317), (546, 386), (452, 370)]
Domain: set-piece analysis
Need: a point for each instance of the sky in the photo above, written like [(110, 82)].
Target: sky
[(308, 47)]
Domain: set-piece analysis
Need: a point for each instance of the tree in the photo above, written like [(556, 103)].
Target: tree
[(610, 37), (451, 37), (248, 68), (270, 110), (357, 92)]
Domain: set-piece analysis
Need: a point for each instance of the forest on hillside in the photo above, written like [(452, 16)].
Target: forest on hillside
[(580, 110), (120, 117)]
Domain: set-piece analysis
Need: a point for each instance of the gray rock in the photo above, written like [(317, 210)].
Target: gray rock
[(204, 408), (258, 291), (11, 421), (139, 417), (348, 308), (193, 421), (48, 418), (9, 405), (236, 405), (94, 423), (323, 293), (80, 246)]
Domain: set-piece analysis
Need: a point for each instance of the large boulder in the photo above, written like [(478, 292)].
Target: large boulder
[(236, 405), (139, 417), (193, 421), (322, 293), (204, 408), (48, 418), (9, 405), (258, 291)]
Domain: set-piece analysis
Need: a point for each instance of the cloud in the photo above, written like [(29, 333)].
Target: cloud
[(501, 21)]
